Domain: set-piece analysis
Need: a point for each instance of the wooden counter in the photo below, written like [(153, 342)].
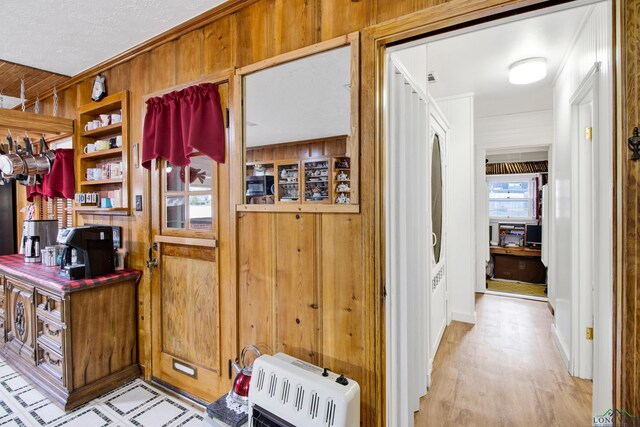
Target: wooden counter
[(74, 339), (517, 251)]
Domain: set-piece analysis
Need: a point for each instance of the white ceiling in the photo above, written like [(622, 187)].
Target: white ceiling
[(305, 99), (69, 36), (478, 62)]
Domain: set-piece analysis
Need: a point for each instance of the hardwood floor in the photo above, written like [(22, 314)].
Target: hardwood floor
[(504, 371)]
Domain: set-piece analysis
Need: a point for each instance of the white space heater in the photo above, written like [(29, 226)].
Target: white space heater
[(286, 392)]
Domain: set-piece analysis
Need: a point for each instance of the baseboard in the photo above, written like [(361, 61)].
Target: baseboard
[(464, 317), (561, 347)]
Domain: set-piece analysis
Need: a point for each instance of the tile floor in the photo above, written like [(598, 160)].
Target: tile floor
[(134, 404)]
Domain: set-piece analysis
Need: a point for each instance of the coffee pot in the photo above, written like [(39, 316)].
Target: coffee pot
[(240, 390)]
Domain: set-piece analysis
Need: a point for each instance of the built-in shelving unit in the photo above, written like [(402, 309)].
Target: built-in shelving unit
[(111, 158)]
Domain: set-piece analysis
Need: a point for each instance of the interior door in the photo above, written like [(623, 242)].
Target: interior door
[(189, 351)]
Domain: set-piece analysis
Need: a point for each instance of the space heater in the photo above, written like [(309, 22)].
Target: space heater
[(287, 392)]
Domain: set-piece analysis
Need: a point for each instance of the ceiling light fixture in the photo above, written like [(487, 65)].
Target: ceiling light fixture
[(527, 71)]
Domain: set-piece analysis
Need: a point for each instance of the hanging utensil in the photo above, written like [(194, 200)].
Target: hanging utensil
[(12, 164), (43, 164), (47, 152), (31, 167)]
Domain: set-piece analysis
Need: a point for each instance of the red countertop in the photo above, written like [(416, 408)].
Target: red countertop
[(48, 277)]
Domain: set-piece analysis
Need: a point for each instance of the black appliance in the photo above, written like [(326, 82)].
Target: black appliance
[(533, 236), (259, 185), (88, 251), (8, 219)]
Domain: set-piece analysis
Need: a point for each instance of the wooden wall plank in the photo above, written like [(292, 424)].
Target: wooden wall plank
[(296, 293), (344, 316), (294, 24), (256, 280), (218, 46), (162, 63), (190, 56), (340, 17), (252, 35)]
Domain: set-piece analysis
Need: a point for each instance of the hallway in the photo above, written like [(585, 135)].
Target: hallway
[(504, 371)]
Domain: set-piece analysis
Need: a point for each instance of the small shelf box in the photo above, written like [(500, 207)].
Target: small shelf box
[(288, 182), (317, 186)]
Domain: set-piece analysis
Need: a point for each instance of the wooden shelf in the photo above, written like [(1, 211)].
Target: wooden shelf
[(102, 153), (101, 211), (102, 131), (101, 182)]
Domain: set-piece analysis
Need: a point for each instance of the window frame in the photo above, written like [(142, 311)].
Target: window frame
[(533, 178), (187, 192)]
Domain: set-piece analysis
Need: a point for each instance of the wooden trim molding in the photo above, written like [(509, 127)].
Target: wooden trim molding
[(627, 290)]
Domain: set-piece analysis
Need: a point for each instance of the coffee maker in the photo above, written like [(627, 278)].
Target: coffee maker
[(37, 234), (88, 251)]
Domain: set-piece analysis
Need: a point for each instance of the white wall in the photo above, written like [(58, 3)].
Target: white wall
[(460, 207), (533, 129), (592, 45)]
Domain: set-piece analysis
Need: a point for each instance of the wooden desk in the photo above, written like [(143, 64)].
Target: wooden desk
[(522, 264), (517, 251)]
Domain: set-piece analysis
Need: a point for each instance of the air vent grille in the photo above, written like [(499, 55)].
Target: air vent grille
[(299, 398), (260, 380), (330, 413), (431, 77), (314, 406), (273, 382), (286, 387)]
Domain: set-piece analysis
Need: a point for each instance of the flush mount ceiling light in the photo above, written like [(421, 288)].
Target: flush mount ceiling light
[(527, 71)]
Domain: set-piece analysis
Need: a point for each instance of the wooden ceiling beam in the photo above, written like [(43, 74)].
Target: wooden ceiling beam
[(18, 121)]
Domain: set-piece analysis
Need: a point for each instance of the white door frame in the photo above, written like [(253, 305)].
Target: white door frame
[(584, 265)]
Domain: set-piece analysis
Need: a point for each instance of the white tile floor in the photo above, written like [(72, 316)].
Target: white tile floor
[(134, 404)]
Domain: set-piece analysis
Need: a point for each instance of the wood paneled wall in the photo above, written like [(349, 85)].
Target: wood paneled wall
[(628, 215), (311, 284), (325, 147)]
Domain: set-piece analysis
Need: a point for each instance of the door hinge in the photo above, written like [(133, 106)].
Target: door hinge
[(588, 133), (590, 334)]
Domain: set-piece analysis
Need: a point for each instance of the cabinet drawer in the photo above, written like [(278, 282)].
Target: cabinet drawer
[(49, 306), (50, 333), (51, 363)]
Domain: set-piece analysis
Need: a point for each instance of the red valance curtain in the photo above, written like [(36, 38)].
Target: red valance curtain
[(181, 122), (60, 182)]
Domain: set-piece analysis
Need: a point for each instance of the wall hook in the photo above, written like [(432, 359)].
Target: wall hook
[(634, 144)]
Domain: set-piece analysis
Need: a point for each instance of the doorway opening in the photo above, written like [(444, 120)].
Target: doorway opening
[(516, 169)]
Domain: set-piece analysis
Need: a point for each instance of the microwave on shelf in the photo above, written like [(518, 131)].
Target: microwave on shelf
[(259, 185)]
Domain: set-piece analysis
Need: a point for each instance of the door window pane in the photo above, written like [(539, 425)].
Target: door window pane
[(175, 177), (200, 174), (200, 212), (175, 211)]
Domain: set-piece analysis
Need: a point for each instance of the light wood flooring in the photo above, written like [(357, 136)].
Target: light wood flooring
[(504, 371)]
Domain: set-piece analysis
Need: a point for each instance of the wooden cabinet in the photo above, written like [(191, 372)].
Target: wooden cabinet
[(73, 345), (104, 149), (317, 182), (20, 319)]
